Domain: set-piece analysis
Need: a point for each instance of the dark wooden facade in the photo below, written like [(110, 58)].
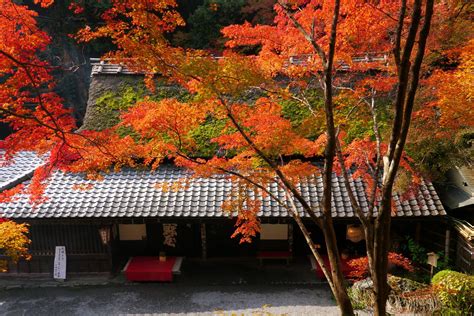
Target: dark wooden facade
[(196, 237), (85, 250)]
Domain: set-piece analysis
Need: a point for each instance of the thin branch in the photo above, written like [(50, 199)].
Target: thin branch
[(398, 36), (318, 257), (378, 159), (403, 77), (308, 36), (415, 77), (347, 184)]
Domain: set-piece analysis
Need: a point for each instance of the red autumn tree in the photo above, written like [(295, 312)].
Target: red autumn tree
[(27, 104)]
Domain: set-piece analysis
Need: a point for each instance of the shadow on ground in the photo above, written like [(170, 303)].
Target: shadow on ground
[(218, 287)]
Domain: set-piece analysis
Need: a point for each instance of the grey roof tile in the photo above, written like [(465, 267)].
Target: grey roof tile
[(18, 169), (132, 193)]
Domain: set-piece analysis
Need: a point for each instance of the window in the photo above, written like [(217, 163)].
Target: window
[(132, 231)]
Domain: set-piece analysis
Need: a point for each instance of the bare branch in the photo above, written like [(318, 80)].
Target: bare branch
[(308, 36), (398, 35), (347, 184)]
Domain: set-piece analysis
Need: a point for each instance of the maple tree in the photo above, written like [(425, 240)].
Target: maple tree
[(260, 129)]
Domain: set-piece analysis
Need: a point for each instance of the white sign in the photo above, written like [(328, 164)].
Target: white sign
[(132, 231), (274, 232), (432, 259), (60, 263)]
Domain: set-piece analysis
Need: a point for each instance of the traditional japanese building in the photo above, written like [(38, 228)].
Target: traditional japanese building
[(136, 212), (139, 212)]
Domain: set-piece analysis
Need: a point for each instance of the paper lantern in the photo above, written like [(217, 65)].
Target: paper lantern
[(355, 233)]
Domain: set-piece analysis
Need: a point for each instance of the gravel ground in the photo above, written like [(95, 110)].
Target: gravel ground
[(170, 299)]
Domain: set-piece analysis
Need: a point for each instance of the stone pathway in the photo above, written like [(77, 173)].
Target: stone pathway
[(170, 299)]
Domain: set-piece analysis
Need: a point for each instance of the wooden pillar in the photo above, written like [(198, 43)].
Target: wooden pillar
[(417, 232), (290, 238), (447, 245), (290, 243), (203, 242)]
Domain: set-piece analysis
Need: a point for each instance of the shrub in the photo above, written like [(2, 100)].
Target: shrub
[(360, 266), (14, 241), (409, 296), (456, 291), (406, 296), (361, 294), (422, 301)]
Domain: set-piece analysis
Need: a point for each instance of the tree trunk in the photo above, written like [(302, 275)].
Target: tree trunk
[(342, 299), (335, 277), (340, 289), (379, 272), (379, 253)]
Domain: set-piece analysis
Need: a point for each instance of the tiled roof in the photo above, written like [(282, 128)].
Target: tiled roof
[(105, 67), (17, 170), (135, 193)]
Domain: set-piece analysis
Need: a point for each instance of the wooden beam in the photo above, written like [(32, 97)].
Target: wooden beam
[(203, 241), (290, 237), (417, 232)]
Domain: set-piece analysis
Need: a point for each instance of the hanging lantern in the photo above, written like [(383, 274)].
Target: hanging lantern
[(104, 233), (355, 233)]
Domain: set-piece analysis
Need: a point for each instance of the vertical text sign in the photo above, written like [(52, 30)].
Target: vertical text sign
[(60, 263)]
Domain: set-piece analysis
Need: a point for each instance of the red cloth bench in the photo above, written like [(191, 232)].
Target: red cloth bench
[(283, 255), (346, 269), (150, 269)]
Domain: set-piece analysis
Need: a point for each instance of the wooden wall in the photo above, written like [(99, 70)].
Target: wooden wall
[(84, 249), (464, 254)]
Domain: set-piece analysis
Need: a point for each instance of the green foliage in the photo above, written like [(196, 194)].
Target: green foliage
[(440, 276), (360, 299), (436, 156), (125, 98), (209, 18), (443, 262), (295, 111), (301, 117), (358, 119), (109, 105), (358, 129), (204, 134), (105, 114), (456, 292), (418, 253)]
